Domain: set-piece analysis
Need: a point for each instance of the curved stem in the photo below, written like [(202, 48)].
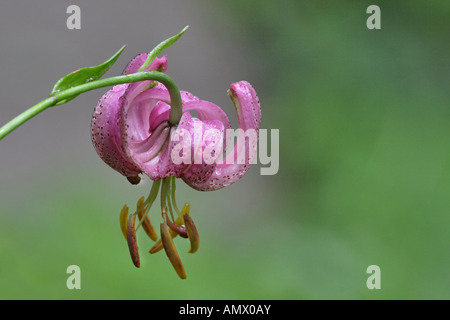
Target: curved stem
[(174, 92), (26, 115)]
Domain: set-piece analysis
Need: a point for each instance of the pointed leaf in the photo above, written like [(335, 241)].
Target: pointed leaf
[(84, 75), (160, 47)]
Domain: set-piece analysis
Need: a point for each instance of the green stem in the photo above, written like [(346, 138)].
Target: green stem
[(26, 115), (174, 201), (174, 92), (149, 202), (164, 190)]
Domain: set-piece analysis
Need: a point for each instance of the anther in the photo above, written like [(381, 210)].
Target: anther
[(132, 242), (171, 251), (159, 245), (146, 223), (181, 230), (192, 233), (123, 220)]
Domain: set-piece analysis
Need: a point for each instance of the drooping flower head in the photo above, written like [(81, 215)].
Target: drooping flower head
[(132, 132)]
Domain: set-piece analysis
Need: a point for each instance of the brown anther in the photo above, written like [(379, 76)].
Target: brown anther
[(123, 220), (192, 233), (132, 242), (158, 245), (171, 251), (181, 230), (146, 223), (134, 180)]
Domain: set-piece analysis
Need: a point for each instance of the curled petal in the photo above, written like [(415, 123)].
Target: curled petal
[(146, 150), (206, 110), (184, 156), (159, 114), (138, 101), (144, 113), (161, 111), (143, 144), (106, 133), (238, 161), (131, 134), (159, 64)]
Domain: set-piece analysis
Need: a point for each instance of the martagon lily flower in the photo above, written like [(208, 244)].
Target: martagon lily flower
[(132, 132)]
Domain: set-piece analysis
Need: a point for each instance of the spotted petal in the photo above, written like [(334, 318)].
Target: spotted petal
[(239, 159), (105, 129)]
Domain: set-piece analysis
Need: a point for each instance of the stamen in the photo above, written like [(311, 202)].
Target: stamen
[(149, 202), (123, 220), (169, 202), (183, 226), (158, 245), (173, 196), (181, 230), (132, 242), (164, 191), (186, 209), (171, 251), (145, 220), (192, 233)]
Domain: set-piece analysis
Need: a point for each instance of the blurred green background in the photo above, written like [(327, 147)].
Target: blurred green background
[(364, 173)]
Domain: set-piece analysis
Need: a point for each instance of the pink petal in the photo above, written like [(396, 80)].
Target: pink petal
[(159, 64), (206, 111), (105, 132), (105, 127), (211, 133), (161, 112), (130, 132), (195, 129), (249, 118)]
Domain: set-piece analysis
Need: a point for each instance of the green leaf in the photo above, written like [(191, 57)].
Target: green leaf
[(84, 75), (160, 47)]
